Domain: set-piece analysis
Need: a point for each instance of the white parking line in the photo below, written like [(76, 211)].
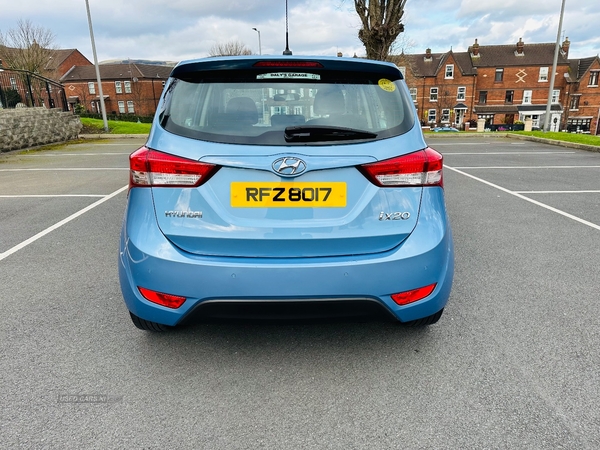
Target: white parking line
[(69, 169), (508, 153), (51, 196), (57, 225), (522, 197), (526, 167), (74, 154), (557, 192)]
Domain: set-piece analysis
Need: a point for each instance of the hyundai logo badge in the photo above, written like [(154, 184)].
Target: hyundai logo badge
[(289, 166)]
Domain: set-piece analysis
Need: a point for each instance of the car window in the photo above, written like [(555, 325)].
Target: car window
[(257, 111)]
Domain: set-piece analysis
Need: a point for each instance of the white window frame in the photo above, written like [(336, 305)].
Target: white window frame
[(543, 74), (449, 71), (594, 75), (461, 93), (574, 102), (431, 116), (413, 94), (130, 107), (118, 87), (121, 104), (499, 71), (433, 94), (92, 88), (445, 116), (527, 97), (556, 96), (127, 86)]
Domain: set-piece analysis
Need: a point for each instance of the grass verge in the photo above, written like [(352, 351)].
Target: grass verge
[(587, 139), (96, 126)]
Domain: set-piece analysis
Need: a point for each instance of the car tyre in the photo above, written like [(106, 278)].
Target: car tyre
[(429, 320), (147, 325)]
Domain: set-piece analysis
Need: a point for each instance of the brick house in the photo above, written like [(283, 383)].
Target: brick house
[(441, 85), (127, 88), (504, 84), (55, 62), (582, 102)]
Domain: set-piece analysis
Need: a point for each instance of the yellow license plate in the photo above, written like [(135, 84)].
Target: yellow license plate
[(288, 195)]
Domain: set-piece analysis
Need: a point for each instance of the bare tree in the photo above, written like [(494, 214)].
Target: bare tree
[(381, 25), (230, 48), (27, 47)]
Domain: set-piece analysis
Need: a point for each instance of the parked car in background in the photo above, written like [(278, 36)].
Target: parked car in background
[(444, 130), (285, 187)]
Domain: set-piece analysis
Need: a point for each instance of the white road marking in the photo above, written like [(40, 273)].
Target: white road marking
[(558, 192), (522, 197), (508, 153), (62, 169), (526, 167), (57, 225), (51, 196)]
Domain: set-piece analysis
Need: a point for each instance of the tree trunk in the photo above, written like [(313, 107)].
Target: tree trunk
[(381, 25)]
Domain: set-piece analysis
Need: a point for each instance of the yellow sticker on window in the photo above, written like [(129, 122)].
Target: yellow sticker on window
[(387, 85)]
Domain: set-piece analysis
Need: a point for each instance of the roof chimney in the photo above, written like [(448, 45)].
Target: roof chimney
[(340, 54), (520, 46), (475, 48), (428, 55), (565, 47)]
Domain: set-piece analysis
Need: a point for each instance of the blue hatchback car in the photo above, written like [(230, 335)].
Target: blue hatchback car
[(285, 187)]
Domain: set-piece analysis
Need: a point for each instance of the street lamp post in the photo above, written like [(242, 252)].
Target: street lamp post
[(102, 107), (259, 46), (554, 63)]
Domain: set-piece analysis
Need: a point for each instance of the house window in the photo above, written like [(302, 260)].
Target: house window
[(92, 88), (499, 75), (449, 70), (13, 83), (130, 107), (431, 116), (433, 94), (461, 93), (127, 85), (555, 95), (594, 78), (445, 116), (543, 74), (121, 107), (298, 110), (413, 94), (574, 102), (403, 71), (527, 97), (483, 97), (118, 87), (510, 95)]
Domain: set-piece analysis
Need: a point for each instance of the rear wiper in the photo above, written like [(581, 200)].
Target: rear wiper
[(312, 133)]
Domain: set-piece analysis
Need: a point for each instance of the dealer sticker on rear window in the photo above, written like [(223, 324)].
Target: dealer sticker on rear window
[(387, 85), (295, 75)]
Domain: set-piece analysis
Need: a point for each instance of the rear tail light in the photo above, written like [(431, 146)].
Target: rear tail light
[(168, 300), (152, 168), (407, 297), (421, 168)]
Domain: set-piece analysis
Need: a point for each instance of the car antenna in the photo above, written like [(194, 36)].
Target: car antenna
[(287, 50)]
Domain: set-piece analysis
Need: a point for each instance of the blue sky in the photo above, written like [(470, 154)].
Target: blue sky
[(181, 29)]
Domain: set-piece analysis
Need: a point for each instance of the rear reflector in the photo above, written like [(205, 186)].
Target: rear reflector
[(152, 168), (168, 300), (404, 298), (421, 168)]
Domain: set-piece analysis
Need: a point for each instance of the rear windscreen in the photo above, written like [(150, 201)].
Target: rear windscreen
[(256, 109)]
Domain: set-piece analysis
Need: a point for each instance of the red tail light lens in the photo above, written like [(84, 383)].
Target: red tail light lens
[(168, 300), (404, 298), (421, 168), (152, 168)]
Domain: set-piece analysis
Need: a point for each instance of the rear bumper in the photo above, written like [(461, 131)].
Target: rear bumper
[(149, 260)]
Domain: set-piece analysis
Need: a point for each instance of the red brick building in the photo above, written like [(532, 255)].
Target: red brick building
[(132, 89), (504, 84)]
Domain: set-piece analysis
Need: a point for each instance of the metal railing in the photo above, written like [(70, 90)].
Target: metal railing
[(23, 89)]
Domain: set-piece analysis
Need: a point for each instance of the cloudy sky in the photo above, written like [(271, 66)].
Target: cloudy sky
[(174, 30)]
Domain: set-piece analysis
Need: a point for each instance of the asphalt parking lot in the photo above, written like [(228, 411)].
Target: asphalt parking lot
[(513, 363)]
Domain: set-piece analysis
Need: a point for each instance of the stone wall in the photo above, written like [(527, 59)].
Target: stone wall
[(30, 127)]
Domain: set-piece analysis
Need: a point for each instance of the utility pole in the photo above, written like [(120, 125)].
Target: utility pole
[(102, 107), (554, 63), (259, 46)]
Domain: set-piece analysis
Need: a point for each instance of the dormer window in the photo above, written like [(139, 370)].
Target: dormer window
[(449, 71)]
